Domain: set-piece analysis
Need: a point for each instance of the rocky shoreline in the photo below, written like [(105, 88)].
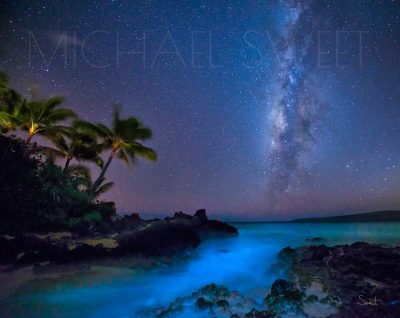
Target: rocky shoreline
[(359, 280), (343, 281), (128, 236), (356, 280)]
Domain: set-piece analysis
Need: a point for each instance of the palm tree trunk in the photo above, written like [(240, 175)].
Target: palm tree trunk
[(67, 164), (102, 174), (28, 140)]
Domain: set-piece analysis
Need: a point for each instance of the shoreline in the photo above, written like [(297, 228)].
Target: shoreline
[(128, 237), (291, 286), (315, 281)]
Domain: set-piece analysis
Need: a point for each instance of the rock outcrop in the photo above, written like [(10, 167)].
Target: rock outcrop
[(360, 280), (158, 239), (126, 236), (211, 300), (285, 297)]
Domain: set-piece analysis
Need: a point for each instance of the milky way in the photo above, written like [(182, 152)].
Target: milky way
[(325, 140), (296, 107)]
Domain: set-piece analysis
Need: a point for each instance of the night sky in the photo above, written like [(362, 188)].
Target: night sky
[(261, 110)]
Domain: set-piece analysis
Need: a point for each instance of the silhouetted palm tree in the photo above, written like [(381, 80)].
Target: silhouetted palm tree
[(10, 105), (82, 175), (123, 141), (44, 117), (79, 145)]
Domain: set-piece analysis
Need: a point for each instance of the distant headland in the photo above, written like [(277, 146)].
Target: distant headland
[(376, 216)]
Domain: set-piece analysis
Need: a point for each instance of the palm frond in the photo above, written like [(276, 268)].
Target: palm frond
[(137, 149), (59, 141), (103, 188), (61, 114), (80, 171), (123, 156), (4, 78), (106, 132), (51, 103), (51, 153), (99, 161), (93, 129)]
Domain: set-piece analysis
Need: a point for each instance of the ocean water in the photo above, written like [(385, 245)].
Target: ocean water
[(241, 263)]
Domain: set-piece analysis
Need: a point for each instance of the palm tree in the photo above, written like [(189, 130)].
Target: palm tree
[(123, 139), (81, 174), (43, 117), (79, 145), (10, 105)]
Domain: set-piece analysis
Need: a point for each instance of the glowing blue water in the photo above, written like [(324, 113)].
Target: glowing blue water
[(240, 263)]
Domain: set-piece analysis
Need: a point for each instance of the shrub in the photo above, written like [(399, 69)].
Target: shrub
[(92, 217), (72, 222), (36, 195), (21, 193)]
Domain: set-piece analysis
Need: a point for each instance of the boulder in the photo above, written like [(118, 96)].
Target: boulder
[(285, 297), (203, 303), (217, 227), (201, 216), (84, 252), (174, 307), (134, 237), (128, 223), (157, 239), (260, 314), (181, 215), (224, 304), (311, 299), (135, 216), (215, 292), (217, 300), (361, 279), (286, 254)]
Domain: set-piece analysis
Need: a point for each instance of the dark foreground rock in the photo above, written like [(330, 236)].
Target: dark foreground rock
[(285, 297), (359, 280), (345, 281), (217, 301), (210, 301), (126, 236), (159, 238)]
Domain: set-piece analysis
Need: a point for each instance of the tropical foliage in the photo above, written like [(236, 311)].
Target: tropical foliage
[(78, 145), (123, 140), (48, 184), (10, 105), (44, 117)]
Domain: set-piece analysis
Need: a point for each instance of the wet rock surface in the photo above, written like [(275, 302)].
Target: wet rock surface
[(210, 301), (360, 280), (217, 301), (158, 239), (127, 236), (285, 297)]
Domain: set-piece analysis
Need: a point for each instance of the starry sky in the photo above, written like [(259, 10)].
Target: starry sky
[(261, 110)]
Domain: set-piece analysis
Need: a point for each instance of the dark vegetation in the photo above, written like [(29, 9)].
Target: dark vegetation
[(45, 187), (110, 240), (38, 195)]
